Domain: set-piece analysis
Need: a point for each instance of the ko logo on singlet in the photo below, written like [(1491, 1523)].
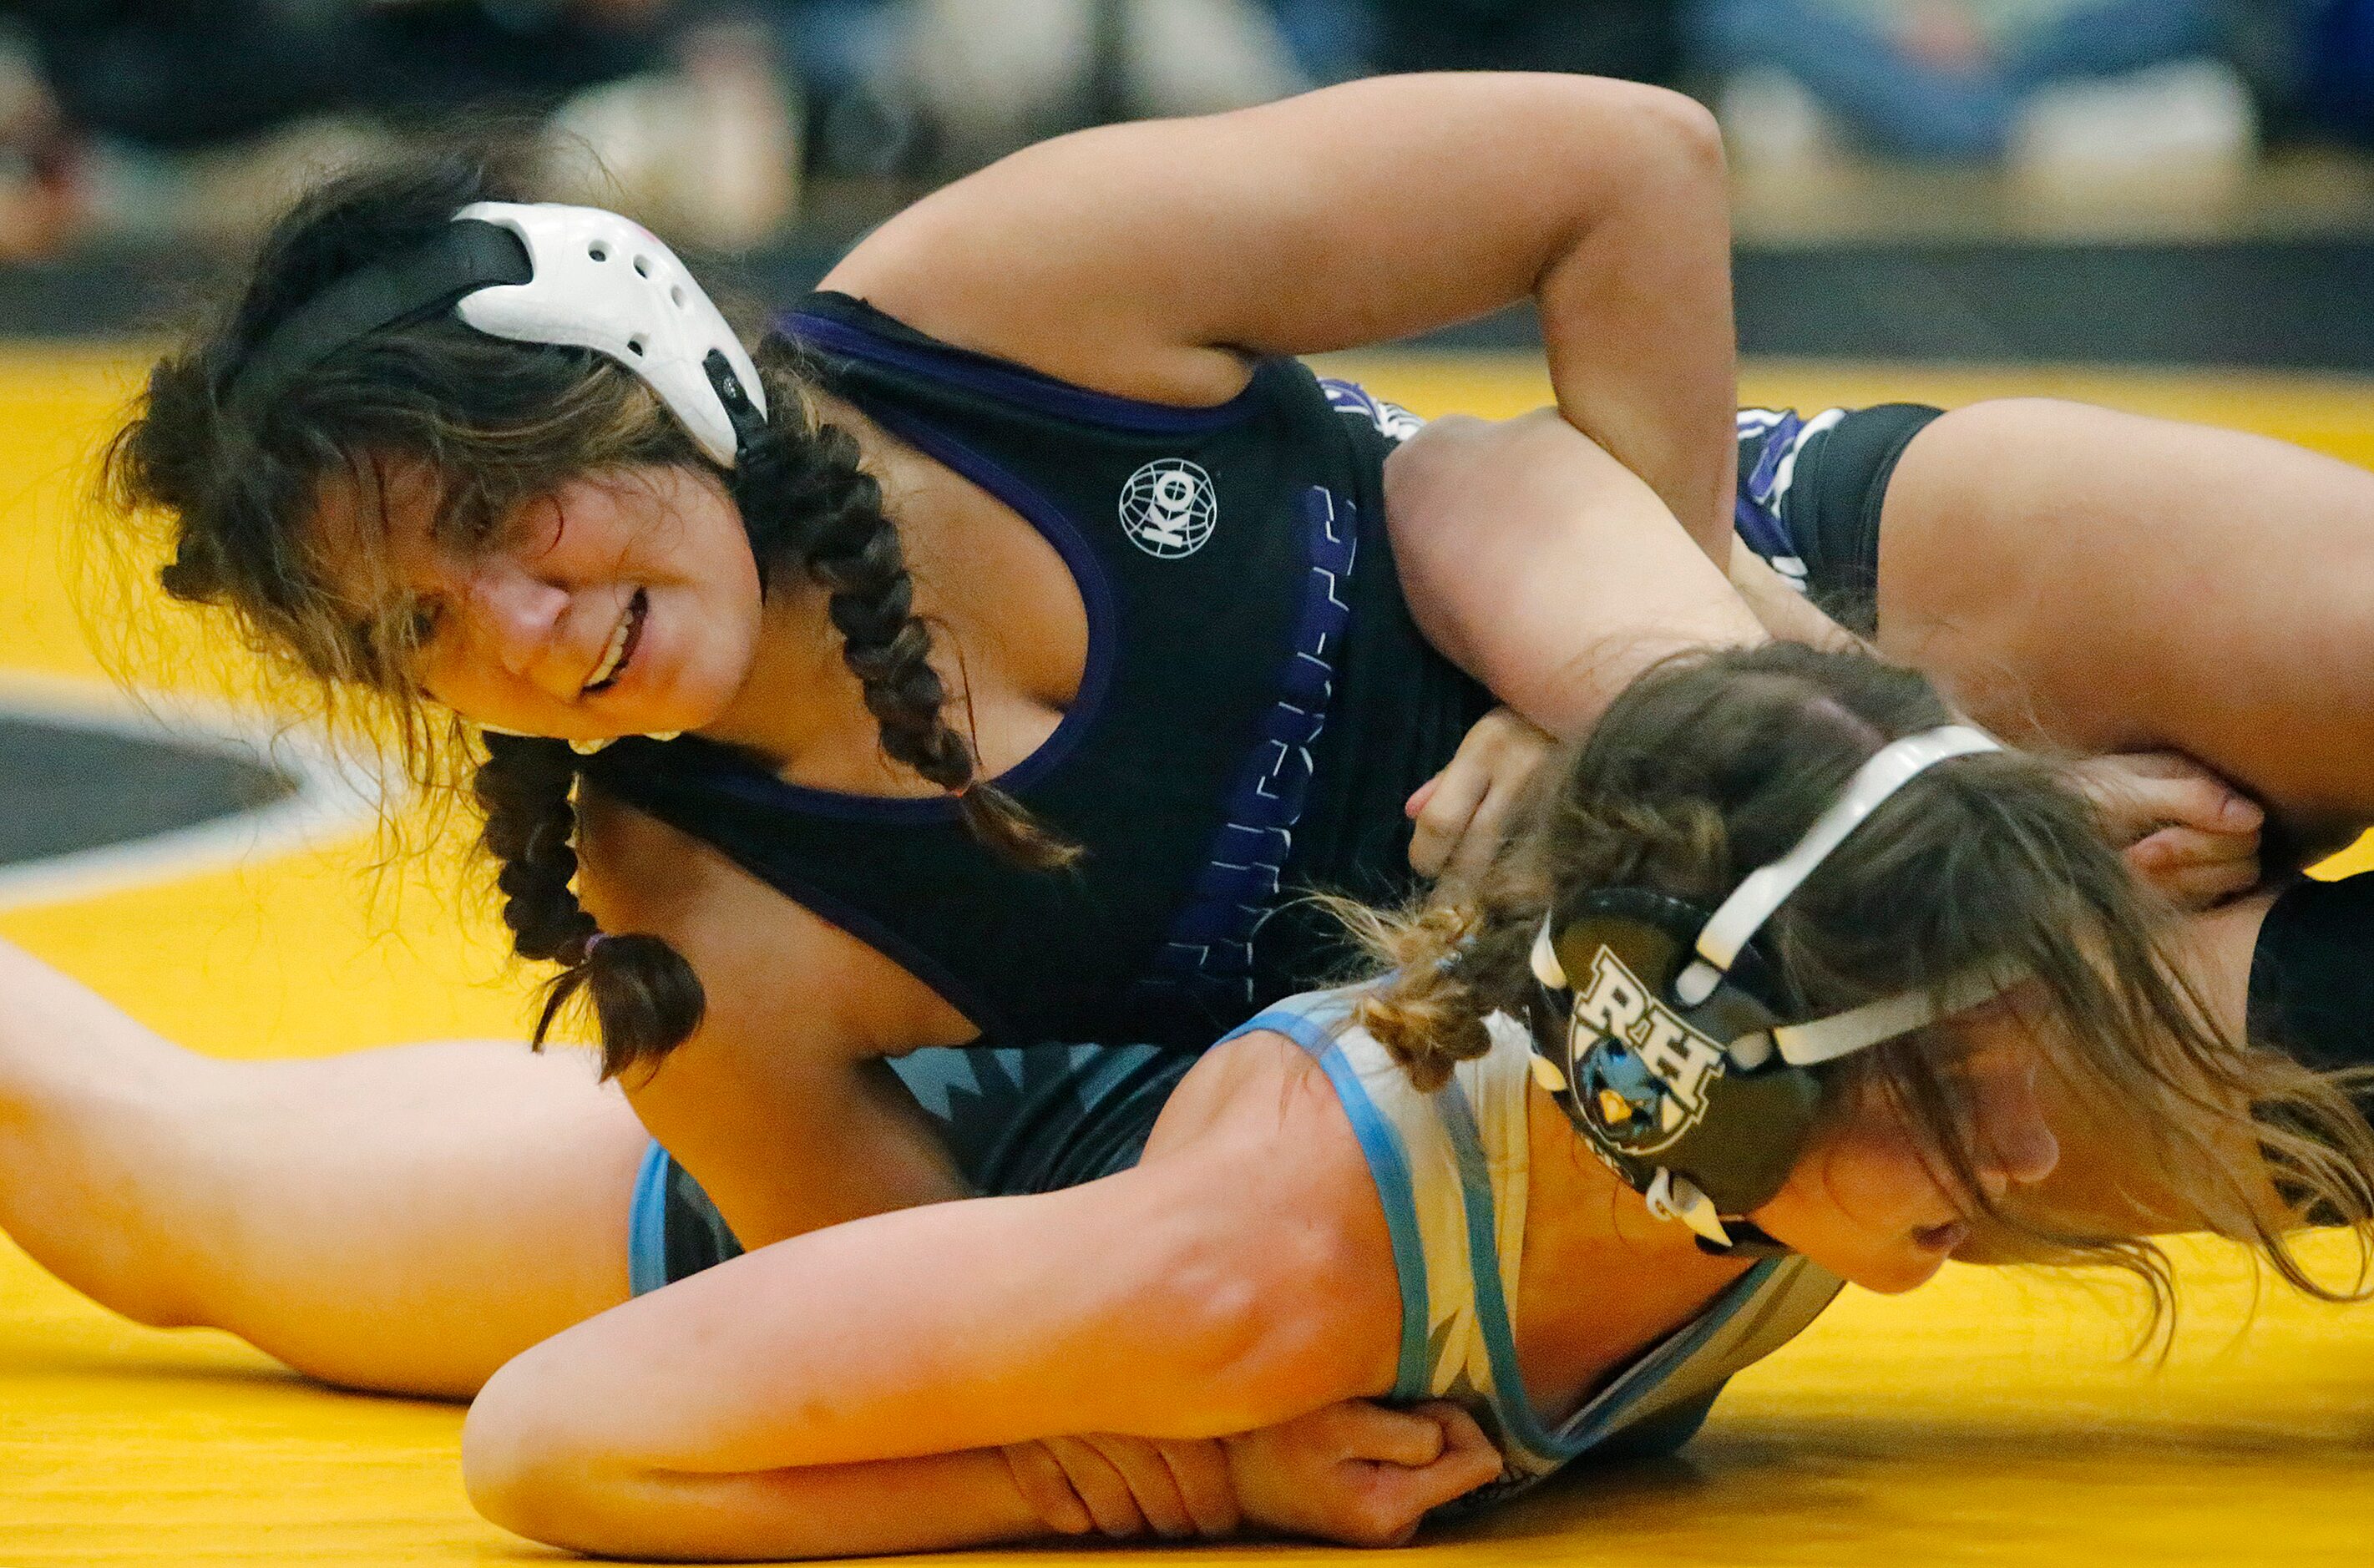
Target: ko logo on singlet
[(1168, 508)]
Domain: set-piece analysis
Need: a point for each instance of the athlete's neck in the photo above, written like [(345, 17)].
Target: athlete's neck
[(1603, 1280)]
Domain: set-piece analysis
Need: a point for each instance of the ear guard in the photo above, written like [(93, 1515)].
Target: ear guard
[(568, 276), (1675, 1063)]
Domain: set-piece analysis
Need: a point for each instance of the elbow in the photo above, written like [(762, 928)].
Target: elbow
[(518, 1470), (1669, 132), (1653, 154), (1688, 132)]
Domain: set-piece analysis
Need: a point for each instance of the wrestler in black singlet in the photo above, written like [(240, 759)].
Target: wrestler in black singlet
[(1257, 704)]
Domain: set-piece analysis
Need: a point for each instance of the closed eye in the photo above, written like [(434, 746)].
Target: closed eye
[(427, 619)]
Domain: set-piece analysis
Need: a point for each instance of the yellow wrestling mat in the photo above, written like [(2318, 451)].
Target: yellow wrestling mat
[(1988, 1417)]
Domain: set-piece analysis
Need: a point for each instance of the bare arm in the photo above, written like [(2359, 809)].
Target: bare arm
[(779, 1104), (1148, 258), (1784, 612), (1545, 570), (1179, 1299)]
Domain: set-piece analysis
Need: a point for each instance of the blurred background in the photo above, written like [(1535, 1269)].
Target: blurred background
[(2154, 181), (2166, 205)]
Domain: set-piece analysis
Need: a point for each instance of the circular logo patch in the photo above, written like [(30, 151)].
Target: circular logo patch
[(1168, 508)]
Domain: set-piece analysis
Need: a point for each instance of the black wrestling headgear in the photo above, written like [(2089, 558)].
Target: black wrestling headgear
[(1674, 1063)]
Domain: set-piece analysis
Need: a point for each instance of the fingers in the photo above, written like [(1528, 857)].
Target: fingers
[(1153, 1488), (1461, 812), (1485, 830), (1200, 1471), (1468, 1460), (1362, 1429), (2199, 799), (1046, 1490), (1099, 1486), (2194, 869), (1397, 1498), (2138, 792), (1451, 801)]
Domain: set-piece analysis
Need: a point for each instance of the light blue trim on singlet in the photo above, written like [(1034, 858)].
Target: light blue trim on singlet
[(1382, 1150), (1590, 1425), (1516, 1411), (647, 1224)]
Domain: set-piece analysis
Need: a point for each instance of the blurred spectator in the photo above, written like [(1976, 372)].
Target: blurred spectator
[(1639, 40), (2331, 66), (175, 117), (172, 74), (937, 86), (2049, 81), (993, 74)]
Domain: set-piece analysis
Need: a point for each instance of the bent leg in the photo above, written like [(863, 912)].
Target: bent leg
[(403, 1220), (2112, 582)]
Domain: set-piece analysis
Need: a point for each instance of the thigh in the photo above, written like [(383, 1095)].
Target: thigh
[(407, 1219), (2104, 580), (404, 1219)]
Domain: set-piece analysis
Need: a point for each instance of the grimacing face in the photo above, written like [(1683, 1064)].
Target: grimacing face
[(1863, 1203), (624, 601)]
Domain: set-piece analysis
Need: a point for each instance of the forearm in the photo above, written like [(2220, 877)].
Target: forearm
[(1546, 568), (941, 1501), (1636, 319), (1785, 612)]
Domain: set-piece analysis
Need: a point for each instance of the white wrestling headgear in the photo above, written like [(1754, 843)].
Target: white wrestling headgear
[(570, 276)]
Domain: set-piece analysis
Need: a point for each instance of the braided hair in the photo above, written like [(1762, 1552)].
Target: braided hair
[(503, 421), (807, 506)]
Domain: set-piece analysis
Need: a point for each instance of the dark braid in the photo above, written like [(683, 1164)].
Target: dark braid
[(505, 421), (645, 995), (805, 502), (808, 506)]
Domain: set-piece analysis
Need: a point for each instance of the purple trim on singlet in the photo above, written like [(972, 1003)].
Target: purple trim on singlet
[(1754, 516), (1096, 679), (1014, 384), (1211, 941), (1390, 420), (824, 906)]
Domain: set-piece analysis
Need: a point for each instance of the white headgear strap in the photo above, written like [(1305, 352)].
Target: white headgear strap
[(1741, 915), (605, 283)]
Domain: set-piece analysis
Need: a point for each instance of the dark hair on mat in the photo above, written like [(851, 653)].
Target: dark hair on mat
[(498, 423), (1712, 764)]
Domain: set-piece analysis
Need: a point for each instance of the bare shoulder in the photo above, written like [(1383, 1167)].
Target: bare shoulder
[(1002, 263), (1284, 1211), (751, 945), (1262, 1106)]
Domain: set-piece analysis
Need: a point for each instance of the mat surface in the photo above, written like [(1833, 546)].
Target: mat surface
[(1990, 1417)]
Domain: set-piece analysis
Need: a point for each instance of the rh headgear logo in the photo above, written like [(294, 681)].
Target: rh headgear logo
[(1647, 1081), (1168, 508)]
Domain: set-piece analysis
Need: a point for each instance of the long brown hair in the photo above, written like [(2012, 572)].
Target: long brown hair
[(498, 423), (1712, 764)]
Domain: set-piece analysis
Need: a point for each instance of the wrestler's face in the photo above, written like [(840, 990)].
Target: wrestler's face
[(1865, 1203), (623, 601)]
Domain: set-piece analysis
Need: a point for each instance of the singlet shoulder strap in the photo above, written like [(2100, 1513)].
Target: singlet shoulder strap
[(842, 326), (1316, 1022)]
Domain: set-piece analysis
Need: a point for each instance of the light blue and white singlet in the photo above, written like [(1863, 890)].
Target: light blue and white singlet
[(1452, 1169)]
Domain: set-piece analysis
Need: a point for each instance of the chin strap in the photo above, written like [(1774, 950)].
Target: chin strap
[(1669, 1197)]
